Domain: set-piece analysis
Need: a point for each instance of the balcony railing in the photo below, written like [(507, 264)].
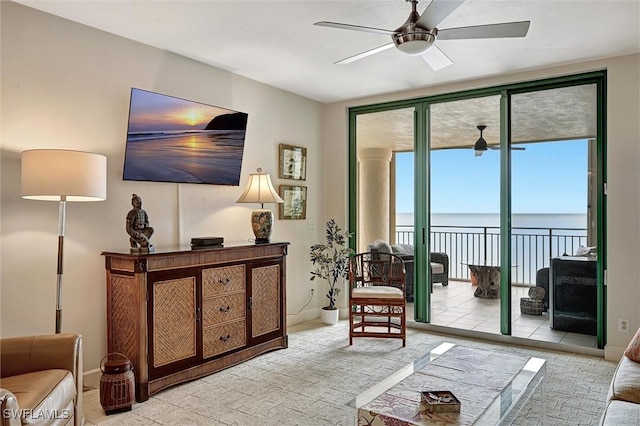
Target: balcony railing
[(531, 248)]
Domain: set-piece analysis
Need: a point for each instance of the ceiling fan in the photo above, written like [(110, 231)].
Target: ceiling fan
[(481, 145), (417, 35)]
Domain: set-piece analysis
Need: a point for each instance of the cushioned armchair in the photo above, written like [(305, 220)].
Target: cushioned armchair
[(41, 380), (542, 280), (438, 262), (378, 307)]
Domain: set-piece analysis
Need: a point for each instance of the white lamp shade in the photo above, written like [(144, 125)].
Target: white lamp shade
[(51, 174), (259, 190)]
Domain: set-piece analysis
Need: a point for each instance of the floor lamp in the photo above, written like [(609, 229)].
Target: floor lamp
[(62, 175)]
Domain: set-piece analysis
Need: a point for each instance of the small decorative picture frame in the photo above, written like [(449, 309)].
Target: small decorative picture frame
[(293, 162), (295, 202)]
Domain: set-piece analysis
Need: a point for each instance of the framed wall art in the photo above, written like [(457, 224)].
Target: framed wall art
[(293, 162), (295, 202)]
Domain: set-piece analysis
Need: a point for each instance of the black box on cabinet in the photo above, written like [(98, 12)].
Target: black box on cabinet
[(207, 241)]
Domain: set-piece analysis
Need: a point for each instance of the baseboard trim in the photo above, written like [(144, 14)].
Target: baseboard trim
[(91, 378), (304, 316), (613, 353), (511, 340)]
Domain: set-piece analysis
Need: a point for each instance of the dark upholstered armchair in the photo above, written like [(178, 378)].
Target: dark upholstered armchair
[(439, 263), (542, 280), (439, 274), (574, 294)]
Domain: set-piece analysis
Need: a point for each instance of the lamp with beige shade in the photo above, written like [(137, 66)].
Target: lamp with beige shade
[(63, 175), (260, 190)]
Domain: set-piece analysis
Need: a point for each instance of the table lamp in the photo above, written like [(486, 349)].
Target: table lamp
[(63, 175), (260, 190)]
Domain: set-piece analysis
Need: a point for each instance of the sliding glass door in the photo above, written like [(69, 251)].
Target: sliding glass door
[(384, 200), (554, 214), (465, 213), (489, 188)]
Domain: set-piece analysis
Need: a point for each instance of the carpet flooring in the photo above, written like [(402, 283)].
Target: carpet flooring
[(314, 382)]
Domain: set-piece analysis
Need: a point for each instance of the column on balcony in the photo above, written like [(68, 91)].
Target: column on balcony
[(374, 195)]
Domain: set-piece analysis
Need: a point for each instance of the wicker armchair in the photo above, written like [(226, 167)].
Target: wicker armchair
[(377, 305)]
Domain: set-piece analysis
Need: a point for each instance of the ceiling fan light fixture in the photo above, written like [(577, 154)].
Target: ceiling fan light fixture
[(414, 43), (481, 145), (479, 148)]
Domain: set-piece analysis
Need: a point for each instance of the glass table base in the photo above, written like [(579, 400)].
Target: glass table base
[(493, 388)]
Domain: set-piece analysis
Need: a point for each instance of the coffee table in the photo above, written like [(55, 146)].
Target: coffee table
[(492, 386)]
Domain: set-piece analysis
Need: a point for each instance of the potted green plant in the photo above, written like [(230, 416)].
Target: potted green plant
[(331, 260)]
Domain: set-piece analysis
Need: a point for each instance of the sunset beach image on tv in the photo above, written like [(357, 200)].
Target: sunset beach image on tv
[(175, 140)]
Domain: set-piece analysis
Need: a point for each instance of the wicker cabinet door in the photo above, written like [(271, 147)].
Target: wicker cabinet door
[(174, 323), (265, 295)]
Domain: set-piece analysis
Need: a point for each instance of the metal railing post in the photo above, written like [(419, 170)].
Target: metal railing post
[(485, 245), (550, 243)]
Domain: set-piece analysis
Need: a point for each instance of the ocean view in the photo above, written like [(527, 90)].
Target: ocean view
[(518, 220), (212, 156), (474, 238)]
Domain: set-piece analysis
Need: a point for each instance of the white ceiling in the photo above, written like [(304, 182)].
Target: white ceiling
[(275, 42)]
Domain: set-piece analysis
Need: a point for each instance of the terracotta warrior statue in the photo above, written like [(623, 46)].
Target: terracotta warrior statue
[(138, 225)]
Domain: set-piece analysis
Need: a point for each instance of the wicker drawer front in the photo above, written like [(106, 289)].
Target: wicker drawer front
[(221, 309), (223, 338), (226, 279)]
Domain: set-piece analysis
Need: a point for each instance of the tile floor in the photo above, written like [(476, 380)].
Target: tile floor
[(455, 306)]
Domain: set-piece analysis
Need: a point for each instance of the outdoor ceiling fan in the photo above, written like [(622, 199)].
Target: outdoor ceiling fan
[(481, 145), (417, 35)]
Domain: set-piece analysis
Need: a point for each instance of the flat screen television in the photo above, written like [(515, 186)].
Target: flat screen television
[(175, 140)]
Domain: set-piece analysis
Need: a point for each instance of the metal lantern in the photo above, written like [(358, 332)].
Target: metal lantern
[(117, 384)]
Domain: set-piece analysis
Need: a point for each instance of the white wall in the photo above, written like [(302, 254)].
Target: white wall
[(623, 161), (67, 86)]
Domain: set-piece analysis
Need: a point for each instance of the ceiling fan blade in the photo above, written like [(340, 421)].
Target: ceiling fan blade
[(436, 12), (507, 29), (513, 148), (365, 54), (436, 58), (354, 27)]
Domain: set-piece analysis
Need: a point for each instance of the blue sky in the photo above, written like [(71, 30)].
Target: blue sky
[(151, 111), (548, 177)]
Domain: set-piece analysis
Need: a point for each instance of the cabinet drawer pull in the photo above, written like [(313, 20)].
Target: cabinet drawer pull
[(227, 309), (224, 281), (224, 339)]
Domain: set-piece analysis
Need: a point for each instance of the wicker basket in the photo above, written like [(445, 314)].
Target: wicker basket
[(117, 384), (531, 306)]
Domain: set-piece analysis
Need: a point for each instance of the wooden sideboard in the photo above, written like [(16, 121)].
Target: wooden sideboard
[(180, 313)]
